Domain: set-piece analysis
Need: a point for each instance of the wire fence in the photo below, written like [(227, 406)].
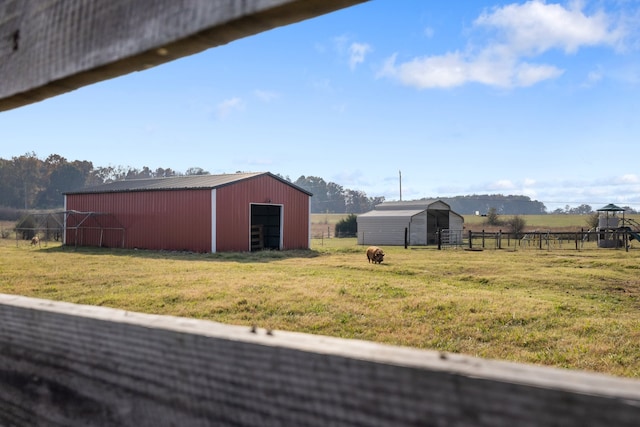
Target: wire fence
[(549, 240)]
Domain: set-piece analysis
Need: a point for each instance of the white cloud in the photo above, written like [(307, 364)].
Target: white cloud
[(629, 178), (340, 108), (429, 32), (266, 96), (454, 69), (529, 74), (593, 77), (535, 27), (503, 184), (229, 105), (323, 86), (520, 31), (340, 43), (357, 53), (441, 71)]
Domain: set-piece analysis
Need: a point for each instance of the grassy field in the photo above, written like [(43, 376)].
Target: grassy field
[(572, 309)]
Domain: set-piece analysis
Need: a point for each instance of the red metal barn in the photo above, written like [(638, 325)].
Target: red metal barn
[(202, 213)]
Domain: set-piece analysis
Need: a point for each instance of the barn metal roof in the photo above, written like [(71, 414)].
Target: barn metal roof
[(414, 204), (392, 213), (191, 182)]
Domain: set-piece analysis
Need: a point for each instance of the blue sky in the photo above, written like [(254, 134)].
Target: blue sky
[(530, 98)]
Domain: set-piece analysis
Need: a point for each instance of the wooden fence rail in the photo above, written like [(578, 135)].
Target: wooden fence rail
[(71, 365)]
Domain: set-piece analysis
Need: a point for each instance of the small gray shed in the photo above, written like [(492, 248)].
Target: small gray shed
[(422, 220)]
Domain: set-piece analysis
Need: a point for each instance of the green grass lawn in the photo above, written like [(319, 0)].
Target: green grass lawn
[(572, 309)]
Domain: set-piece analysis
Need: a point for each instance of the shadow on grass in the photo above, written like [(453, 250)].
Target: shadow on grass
[(249, 257)]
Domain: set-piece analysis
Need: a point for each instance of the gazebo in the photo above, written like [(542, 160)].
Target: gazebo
[(610, 226)]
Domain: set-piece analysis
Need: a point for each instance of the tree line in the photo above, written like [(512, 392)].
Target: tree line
[(28, 182), (504, 205)]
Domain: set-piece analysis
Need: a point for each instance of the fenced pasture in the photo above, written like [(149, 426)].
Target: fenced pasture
[(547, 240), (324, 225), (571, 309), (547, 222)]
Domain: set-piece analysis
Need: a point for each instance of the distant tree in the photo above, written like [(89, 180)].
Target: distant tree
[(347, 227), (318, 187), (29, 172), (492, 217), (516, 225), (64, 177), (373, 201), (593, 220), (284, 177), (335, 198), (506, 205), (357, 202), (164, 173), (579, 210), (196, 171)]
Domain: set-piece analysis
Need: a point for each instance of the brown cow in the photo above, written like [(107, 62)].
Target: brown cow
[(35, 241), (375, 254)]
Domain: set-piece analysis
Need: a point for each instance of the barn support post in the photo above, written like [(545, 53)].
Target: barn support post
[(406, 237), (439, 233)]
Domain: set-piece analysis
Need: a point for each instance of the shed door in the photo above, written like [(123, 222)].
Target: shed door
[(266, 230), (436, 220)]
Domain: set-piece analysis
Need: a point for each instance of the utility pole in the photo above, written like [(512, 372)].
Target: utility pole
[(400, 174)]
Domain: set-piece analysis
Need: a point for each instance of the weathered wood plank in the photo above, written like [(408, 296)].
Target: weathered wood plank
[(51, 47), (73, 365)]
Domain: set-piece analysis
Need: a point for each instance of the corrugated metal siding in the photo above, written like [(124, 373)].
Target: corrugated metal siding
[(386, 226), (382, 230), (233, 212), (456, 222), (159, 220), (418, 229)]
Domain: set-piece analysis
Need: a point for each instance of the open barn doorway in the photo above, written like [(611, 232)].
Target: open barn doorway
[(437, 220), (266, 227)]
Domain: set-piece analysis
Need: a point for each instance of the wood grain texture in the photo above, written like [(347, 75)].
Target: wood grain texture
[(74, 365), (48, 47)]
